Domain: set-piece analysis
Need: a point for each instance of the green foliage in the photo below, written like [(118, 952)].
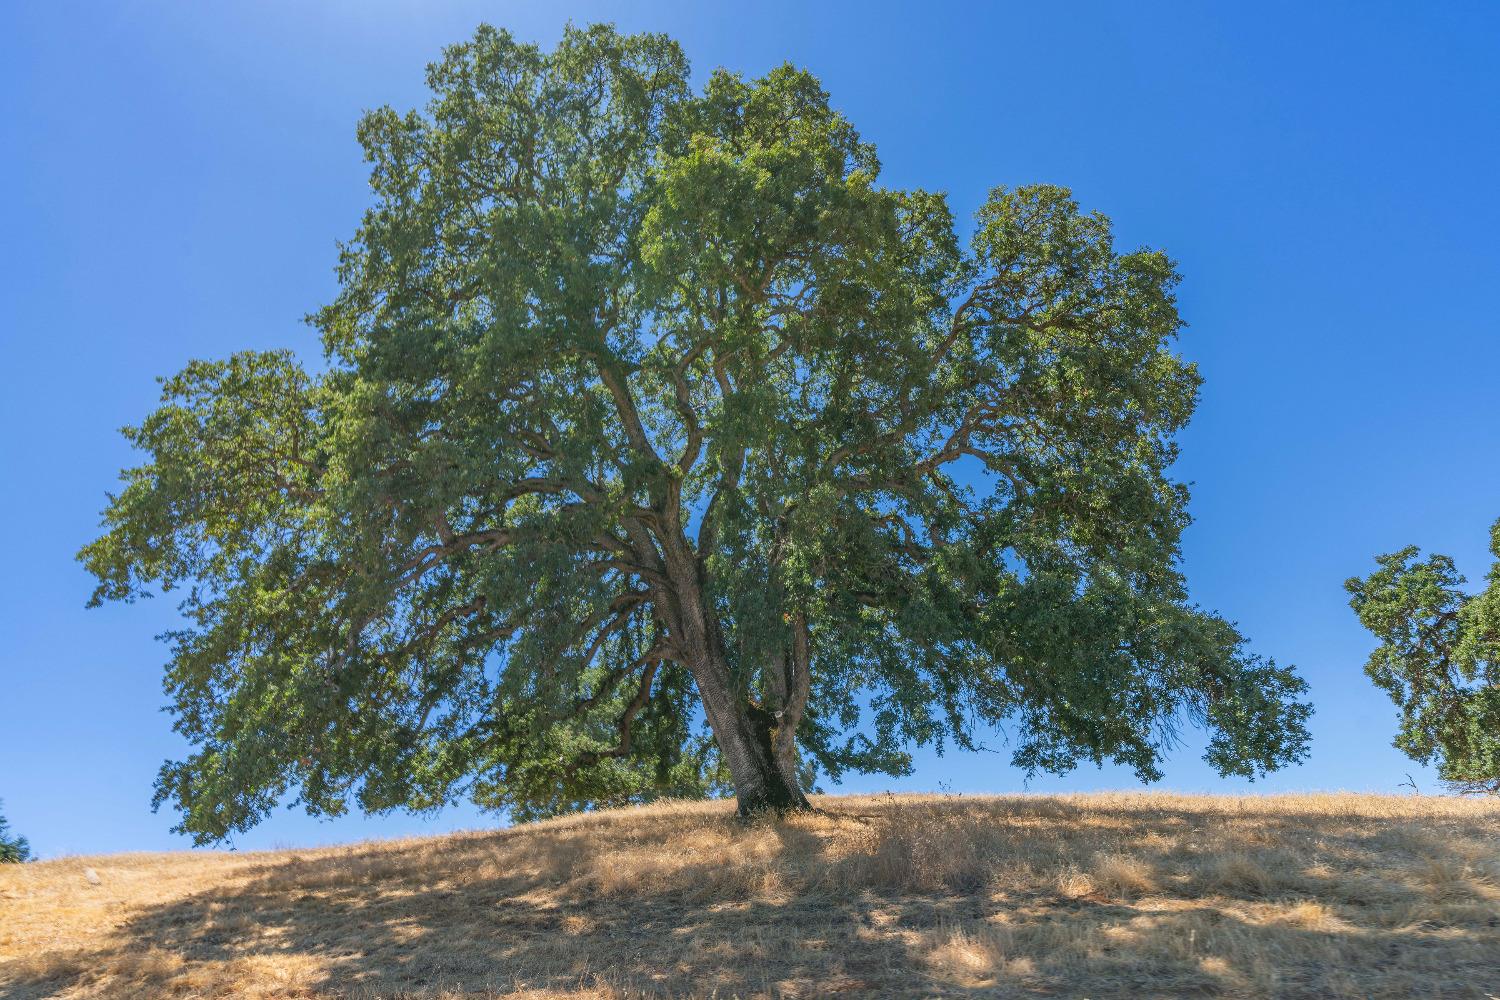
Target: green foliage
[(1439, 660), (13, 850), (635, 397)]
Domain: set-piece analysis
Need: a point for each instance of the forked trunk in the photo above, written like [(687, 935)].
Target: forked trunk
[(762, 782), (758, 745), (760, 752), (773, 784)]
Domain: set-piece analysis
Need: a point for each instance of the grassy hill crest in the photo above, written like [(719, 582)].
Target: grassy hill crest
[(1097, 895)]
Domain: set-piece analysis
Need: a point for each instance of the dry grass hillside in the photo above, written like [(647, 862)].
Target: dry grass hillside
[(1074, 896)]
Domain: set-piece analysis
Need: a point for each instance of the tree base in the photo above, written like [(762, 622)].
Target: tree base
[(752, 813), (779, 800)]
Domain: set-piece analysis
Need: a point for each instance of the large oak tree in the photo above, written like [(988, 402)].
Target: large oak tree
[(660, 450)]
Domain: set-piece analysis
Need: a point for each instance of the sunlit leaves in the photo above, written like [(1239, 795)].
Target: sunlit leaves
[(1438, 659)]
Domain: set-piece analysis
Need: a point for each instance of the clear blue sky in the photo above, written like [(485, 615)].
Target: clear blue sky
[(175, 176)]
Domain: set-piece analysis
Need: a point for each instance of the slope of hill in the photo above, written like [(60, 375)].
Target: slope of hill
[(1091, 895)]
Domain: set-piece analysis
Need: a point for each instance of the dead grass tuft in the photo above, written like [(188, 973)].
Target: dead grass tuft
[(967, 956), (1122, 876), (1238, 875)]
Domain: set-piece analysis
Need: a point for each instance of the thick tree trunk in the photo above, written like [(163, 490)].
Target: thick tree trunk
[(760, 753), (773, 784), (758, 745)]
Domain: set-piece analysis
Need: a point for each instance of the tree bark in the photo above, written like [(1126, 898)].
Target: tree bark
[(758, 749), (757, 744)]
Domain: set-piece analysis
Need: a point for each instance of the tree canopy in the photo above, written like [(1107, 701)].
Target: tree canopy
[(659, 449), (1439, 660)]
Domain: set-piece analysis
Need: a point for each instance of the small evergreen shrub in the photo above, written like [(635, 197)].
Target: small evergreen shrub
[(12, 849)]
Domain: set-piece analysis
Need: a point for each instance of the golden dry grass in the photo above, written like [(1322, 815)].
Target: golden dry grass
[(1097, 896)]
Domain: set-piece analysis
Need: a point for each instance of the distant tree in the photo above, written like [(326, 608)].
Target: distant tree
[(659, 450), (12, 849), (1439, 660)]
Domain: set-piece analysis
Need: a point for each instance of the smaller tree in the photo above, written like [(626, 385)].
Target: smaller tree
[(1439, 660), (12, 849)]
